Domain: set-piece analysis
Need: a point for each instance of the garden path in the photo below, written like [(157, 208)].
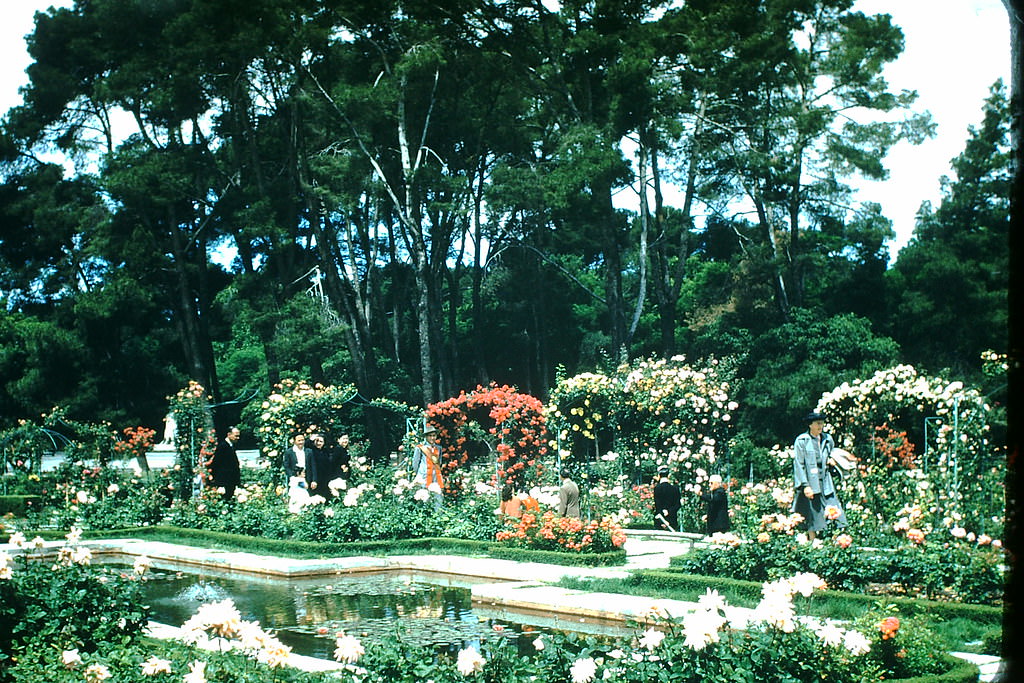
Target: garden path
[(513, 586)]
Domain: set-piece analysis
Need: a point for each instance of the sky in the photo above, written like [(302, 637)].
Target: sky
[(955, 50)]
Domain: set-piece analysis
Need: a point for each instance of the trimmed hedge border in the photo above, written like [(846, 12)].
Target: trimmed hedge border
[(18, 505), (286, 548), (312, 549), (752, 589), (961, 671), (617, 557)]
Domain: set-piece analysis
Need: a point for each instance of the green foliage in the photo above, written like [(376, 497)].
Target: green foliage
[(962, 462), (125, 662), (651, 412), (963, 240), (463, 219), (298, 408), (18, 505), (902, 647), (951, 572), (194, 438), (611, 558), (790, 366), (67, 604), (549, 532)]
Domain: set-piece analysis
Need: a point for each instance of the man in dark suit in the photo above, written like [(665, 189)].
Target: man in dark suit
[(224, 468), (295, 457), (666, 502)]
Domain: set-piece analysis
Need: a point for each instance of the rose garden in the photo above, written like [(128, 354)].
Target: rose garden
[(917, 572)]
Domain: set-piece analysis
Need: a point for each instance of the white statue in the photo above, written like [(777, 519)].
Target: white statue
[(170, 426)]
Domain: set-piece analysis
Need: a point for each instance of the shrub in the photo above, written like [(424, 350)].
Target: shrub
[(65, 603), (549, 532), (902, 646), (952, 572)]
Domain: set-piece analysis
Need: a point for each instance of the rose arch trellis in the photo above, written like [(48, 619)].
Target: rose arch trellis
[(510, 425), (966, 465)]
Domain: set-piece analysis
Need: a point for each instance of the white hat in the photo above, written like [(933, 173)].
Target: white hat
[(844, 459), (715, 479)]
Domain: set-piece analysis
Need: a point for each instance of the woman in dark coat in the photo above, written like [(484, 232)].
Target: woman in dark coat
[(718, 505), (666, 502)]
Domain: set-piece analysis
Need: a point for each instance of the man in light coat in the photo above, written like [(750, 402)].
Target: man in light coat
[(815, 491)]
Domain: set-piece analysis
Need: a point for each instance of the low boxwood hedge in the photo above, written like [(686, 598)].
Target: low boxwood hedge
[(960, 671), (617, 557), (18, 505), (752, 589), (311, 549)]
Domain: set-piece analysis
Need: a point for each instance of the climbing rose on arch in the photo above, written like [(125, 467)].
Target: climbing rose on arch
[(515, 426)]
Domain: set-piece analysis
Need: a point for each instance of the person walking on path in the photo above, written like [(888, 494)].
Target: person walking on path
[(225, 471), (666, 502), (815, 491), (568, 497), (717, 505)]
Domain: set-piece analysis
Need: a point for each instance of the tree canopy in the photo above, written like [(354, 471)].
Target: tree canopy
[(419, 198)]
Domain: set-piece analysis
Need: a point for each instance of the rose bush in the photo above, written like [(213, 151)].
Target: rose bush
[(550, 532), (493, 419), (297, 408)]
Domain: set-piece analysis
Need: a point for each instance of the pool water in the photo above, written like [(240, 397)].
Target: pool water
[(307, 613)]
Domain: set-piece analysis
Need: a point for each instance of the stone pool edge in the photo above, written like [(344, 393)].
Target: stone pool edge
[(518, 586)]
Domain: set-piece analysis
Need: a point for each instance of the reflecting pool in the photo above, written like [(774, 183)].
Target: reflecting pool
[(307, 613)]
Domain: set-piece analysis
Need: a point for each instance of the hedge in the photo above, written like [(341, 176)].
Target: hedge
[(960, 671), (752, 589), (616, 557), (312, 549), (18, 505)]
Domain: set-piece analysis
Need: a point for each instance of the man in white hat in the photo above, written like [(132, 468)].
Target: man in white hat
[(426, 465)]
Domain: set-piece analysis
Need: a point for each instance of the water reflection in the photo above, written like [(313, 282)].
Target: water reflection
[(307, 613)]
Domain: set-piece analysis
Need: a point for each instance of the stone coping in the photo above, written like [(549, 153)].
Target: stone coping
[(507, 586)]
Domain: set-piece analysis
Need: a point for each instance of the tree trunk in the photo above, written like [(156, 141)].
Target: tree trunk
[(644, 149)]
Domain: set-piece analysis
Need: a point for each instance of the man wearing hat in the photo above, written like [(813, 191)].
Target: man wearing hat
[(666, 502), (815, 495)]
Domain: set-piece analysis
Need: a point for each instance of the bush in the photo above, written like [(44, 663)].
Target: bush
[(66, 604), (548, 532), (18, 506), (952, 571), (902, 646), (617, 557)]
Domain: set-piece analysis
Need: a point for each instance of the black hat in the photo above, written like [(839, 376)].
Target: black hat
[(663, 470), (813, 416)]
